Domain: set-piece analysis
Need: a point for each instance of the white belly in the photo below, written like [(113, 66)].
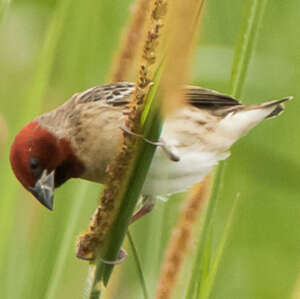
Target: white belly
[(197, 153), (167, 177)]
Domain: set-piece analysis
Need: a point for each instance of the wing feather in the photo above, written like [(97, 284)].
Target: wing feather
[(208, 98), (118, 94)]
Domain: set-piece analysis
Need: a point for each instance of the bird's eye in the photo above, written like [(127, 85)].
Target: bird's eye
[(35, 166), (34, 163)]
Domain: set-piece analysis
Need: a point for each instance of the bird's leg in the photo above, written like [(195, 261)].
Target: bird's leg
[(122, 257), (148, 203), (169, 150)]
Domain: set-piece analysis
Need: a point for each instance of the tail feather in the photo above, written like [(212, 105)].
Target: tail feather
[(279, 106), (239, 120)]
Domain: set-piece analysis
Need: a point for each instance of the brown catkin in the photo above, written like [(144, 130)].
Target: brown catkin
[(125, 56), (182, 27), (117, 172), (180, 240), (184, 21)]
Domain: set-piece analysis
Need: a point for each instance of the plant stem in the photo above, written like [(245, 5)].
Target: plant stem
[(243, 54), (179, 244), (245, 47), (152, 127), (3, 8), (138, 265), (127, 53), (66, 243), (204, 235), (135, 184), (206, 290), (33, 106)]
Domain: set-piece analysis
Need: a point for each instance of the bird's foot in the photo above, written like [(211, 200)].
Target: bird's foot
[(169, 150), (148, 203)]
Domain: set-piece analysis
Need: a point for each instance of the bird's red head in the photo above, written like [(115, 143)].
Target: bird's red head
[(41, 161)]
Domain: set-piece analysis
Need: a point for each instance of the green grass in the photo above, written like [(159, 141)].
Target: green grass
[(151, 125), (206, 265), (261, 256)]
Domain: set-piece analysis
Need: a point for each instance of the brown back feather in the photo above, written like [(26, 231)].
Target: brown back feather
[(118, 94)]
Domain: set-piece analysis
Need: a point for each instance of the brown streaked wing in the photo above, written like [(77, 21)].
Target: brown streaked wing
[(118, 94), (115, 94), (208, 98)]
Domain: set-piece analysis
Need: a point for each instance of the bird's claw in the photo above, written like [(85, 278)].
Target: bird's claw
[(148, 203), (122, 257)]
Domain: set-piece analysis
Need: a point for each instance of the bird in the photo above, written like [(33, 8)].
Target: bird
[(81, 137)]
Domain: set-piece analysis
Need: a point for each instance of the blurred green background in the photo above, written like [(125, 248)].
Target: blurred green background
[(52, 49)]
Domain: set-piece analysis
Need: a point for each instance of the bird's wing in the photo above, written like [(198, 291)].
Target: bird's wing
[(208, 98), (115, 94), (118, 94)]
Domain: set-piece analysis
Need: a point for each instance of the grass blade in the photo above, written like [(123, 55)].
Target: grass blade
[(32, 107), (138, 265), (179, 243), (127, 53), (66, 242), (243, 53), (153, 125), (152, 128), (198, 268), (245, 47), (46, 58), (205, 291), (3, 8)]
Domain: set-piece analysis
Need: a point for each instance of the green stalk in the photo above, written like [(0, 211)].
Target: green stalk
[(46, 58), (198, 267), (245, 48), (138, 265), (66, 242), (32, 107), (205, 291), (152, 127), (131, 196), (3, 8)]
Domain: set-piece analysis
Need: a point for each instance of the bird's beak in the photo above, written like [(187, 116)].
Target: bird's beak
[(44, 188)]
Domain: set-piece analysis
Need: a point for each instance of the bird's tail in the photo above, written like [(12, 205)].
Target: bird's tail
[(277, 104), (240, 119), (271, 108)]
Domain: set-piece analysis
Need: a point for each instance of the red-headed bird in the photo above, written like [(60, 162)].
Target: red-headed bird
[(79, 138)]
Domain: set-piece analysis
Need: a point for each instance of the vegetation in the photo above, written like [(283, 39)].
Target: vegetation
[(52, 49)]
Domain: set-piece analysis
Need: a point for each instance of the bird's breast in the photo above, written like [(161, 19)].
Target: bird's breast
[(96, 140)]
